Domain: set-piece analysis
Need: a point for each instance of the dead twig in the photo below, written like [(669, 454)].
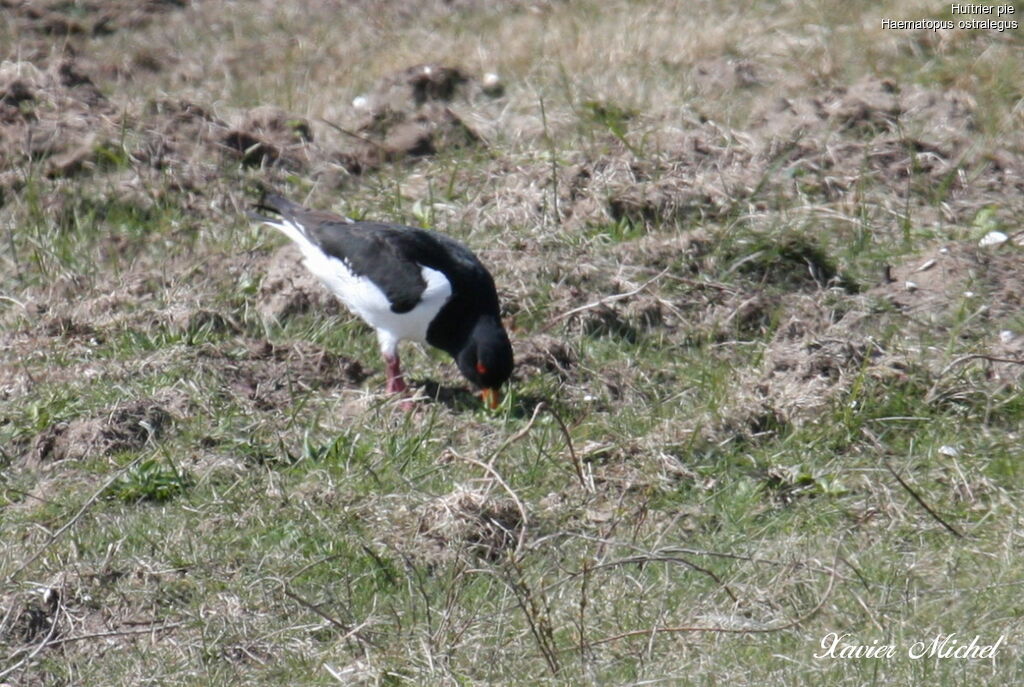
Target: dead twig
[(364, 139), (677, 550), (117, 633), (656, 558), (536, 616), (586, 483), (51, 641), (922, 502), (650, 632), (518, 435), (504, 485), (701, 284), (604, 301), (354, 631), (74, 518), (978, 356)]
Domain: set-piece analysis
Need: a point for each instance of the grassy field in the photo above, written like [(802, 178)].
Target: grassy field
[(762, 267)]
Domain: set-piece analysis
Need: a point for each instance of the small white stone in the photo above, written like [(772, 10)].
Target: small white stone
[(1006, 336), (360, 102), (951, 451), (993, 238), (944, 251), (968, 294), (492, 85), (911, 286)]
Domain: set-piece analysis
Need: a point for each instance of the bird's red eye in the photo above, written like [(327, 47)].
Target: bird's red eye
[(481, 368)]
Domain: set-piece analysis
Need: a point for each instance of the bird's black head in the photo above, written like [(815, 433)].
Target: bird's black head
[(486, 358)]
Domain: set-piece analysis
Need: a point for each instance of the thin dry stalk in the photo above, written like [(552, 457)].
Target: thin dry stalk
[(75, 518), (536, 618), (348, 631), (118, 633), (586, 481), (640, 560), (515, 497), (603, 301), (47, 641), (652, 631), (922, 502)]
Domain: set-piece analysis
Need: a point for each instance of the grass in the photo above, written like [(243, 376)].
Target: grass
[(727, 438)]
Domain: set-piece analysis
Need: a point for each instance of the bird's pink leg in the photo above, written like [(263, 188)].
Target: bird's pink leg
[(396, 382)]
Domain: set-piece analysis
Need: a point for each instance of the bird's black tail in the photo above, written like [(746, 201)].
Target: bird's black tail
[(280, 205), (275, 205)]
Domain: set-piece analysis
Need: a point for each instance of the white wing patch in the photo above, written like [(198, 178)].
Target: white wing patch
[(365, 299)]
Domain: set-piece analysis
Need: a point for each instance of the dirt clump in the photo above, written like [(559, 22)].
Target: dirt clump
[(544, 354), (179, 135), (56, 115), (869, 104), (126, 427), (266, 375), (976, 290), (414, 87), (59, 116), (877, 133), (685, 176), (726, 74), (89, 18), (930, 286), (682, 251), (66, 327), (825, 342), (807, 363), (408, 115), (269, 135), (289, 289), (173, 131)]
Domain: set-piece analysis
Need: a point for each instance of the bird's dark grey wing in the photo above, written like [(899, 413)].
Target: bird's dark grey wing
[(376, 252)]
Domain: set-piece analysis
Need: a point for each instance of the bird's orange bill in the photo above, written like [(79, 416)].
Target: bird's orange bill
[(491, 397)]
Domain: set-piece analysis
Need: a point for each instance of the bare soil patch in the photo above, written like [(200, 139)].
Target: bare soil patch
[(127, 426), (95, 17), (934, 282), (825, 343), (267, 376), (289, 289), (56, 115), (51, 111)]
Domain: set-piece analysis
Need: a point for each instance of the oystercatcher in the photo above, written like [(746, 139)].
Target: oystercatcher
[(408, 284)]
